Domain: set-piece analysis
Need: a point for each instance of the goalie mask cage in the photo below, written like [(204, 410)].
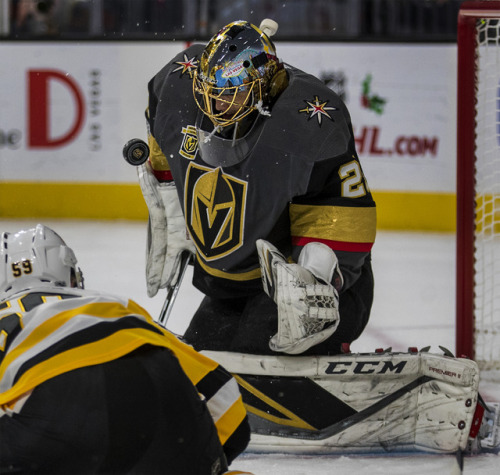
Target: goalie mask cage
[(478, 183)]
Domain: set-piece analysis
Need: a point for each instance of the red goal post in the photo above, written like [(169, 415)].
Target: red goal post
[(478, 183)]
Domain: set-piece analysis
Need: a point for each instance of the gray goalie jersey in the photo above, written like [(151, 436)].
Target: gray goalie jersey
[(300, 179)]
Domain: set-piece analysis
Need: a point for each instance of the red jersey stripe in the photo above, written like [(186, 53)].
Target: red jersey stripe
[(335, 245)]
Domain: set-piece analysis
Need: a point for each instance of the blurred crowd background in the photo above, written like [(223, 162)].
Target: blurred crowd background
[(301, 20)]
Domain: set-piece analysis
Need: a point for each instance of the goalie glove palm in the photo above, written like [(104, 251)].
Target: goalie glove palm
[(307, 302)]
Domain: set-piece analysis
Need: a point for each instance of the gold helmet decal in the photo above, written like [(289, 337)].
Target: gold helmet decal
[(215, 210)]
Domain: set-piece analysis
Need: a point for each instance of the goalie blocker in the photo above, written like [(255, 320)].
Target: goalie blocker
[(363, 403)]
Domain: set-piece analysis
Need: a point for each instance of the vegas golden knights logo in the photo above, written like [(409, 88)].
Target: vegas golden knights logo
[(214, 205), (189, 145)]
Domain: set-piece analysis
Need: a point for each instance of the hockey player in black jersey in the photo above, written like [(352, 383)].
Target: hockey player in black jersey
[(89, 383), (257, 160)]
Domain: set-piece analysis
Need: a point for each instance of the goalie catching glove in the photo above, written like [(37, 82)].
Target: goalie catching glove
[(167, 234), (308, 304)]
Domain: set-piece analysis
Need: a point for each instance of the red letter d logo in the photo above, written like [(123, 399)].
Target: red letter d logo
[(39, 109)]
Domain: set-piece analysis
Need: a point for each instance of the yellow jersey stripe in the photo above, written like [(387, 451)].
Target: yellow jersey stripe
[(230, 419), (335, 223), (156, 156), (100, 309)]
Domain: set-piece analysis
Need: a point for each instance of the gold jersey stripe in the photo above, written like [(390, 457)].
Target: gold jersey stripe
[(156, 156), (241, 276), (195, 365), (101, 351), (101, 310), (230, 419), (335, 223)]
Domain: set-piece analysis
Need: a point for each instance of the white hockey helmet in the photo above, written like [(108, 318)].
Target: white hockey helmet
[(34, 257)]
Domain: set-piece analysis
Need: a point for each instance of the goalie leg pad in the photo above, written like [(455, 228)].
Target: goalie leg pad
[(485, 430), (356, 403)]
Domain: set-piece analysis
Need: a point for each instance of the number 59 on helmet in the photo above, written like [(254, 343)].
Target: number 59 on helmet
[(36, 257)]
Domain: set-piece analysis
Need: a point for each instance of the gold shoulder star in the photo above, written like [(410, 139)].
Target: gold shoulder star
[(318, 109), (186, 66)]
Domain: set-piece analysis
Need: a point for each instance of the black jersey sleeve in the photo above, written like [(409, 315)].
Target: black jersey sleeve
[(338, 209), (169, 94)]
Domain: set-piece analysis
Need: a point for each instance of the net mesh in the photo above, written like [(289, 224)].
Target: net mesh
[(487, 190)]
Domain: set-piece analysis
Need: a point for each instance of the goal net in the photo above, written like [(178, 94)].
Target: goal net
[(478, 183)]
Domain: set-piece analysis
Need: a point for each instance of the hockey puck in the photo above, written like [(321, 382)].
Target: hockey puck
[(136, 152)]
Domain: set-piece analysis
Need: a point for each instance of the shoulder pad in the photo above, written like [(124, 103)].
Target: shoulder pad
[(314, 117), (181, 67), (189, 57)]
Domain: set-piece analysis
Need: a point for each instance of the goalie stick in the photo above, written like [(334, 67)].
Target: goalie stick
[(173, 290)]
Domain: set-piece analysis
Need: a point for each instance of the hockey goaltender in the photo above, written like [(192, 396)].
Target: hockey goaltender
[(253, 172)]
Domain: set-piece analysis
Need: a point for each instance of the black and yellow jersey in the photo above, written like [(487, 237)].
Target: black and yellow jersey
[(301, 180), (49, 331)]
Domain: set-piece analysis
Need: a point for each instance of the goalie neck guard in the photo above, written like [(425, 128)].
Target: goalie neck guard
[(218, 151), (36, 257)]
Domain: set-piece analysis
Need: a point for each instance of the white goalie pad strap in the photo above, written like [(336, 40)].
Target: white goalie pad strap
[(392, 401), (307, 309), (167, 235)]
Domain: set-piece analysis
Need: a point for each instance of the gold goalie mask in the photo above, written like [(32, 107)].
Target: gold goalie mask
[(236, 80)]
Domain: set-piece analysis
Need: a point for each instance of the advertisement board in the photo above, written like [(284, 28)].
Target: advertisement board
[(67, 108)]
